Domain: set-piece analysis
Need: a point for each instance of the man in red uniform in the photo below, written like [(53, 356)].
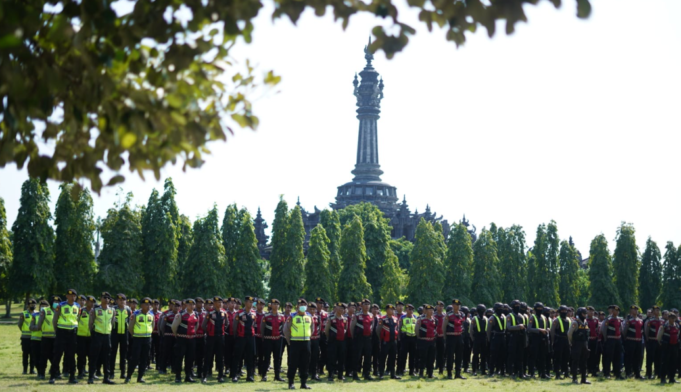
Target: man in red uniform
[(375, 341), (184, 328), (200, 338), (243, 331), (441, 316), (668, 338), (387, 334), (272, 327), (633, 327), (360, 328), (454, 323), (229, 336), (259, 315), (155, 337), (214, 323), (426, 331), (335, 330), (611, 330), (167, 338), (349, 342), (314, 341), (653, 352), (594, 354), (323, 344)]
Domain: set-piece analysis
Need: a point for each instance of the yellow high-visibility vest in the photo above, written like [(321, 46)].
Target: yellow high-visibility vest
[(48, 328), (409, 325), (103, 321), (84, 324), (68, 316), (301, 328), (26, 325)]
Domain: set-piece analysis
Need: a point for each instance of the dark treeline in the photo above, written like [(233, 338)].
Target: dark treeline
[(155, 251)]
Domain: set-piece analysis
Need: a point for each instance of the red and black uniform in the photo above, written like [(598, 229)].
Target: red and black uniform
[(633, 346), (167, 343), (216, 324), (323, 344), (336, 345), (427, 334), (200, 343), (315, 339), (258, 339), (375, 345), (653, 352), (362, 343), (670, 350), (244, 344), (349, 348), (440, 360), (613, 346), (594, 347), (272, 343), (229, 340), (185, 344), (454, 330), (388, 338), (155, 340)]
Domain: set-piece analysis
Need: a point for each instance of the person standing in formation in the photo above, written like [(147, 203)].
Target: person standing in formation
[(653, 351), (454, 327), (243, 330), (184, 329), (140, 327), (272, 327), (387, 334), (336, 330), (578, 337), (119, 335), (101, 323), (65, 323), (298, 331), (84, 336), (25, 328)]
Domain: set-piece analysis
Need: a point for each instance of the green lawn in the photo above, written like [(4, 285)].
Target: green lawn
[(11, 377)]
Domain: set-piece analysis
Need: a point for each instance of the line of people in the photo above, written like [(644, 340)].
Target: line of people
[(200, 337)]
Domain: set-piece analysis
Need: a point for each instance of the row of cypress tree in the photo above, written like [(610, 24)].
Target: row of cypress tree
[(154, 250)]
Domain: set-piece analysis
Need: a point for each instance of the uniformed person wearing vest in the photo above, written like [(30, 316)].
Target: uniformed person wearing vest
[(155, 336), (561, 344), (101, 324), (349, 342), (84, 336), (375, 341), (184, 328), (653, 351), (388, 334), (214, 324), (243, 331), (141, 326), (298, 331), (167, 338), (594, 333), (200, 336), (335, 330), (496, 335), (467, 343), (633, 346), (25, 328), (538, 328), (36, 338), (516, 325), (119, 335), (407, 328), (578, 336), (668, 337), (360, 327), (46, 328), (65, 323), (478, 334), (454, 329), (440, 354), (612, 336), (259, 315)]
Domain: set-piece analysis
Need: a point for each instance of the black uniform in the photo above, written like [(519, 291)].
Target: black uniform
[(538, 346), (516, 346), (580, 349), (119, 339), (336, 345), (561, 346), (480, 349), (498, 345)]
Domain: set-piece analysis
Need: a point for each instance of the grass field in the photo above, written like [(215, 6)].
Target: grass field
[(11, 378)]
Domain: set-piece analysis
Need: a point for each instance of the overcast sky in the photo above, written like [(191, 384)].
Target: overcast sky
[(567, 119)]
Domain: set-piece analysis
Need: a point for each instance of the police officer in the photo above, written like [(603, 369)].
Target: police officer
[(272, 327), (561, 344), (84, 336), (515, 322), (101, 324), (65, 323), (298, 331), (361, 328), (36, 337), (496, 335), (440, 315), (119, 335), (141, 327), (426, 331), (243, 331), (25, 328), (375, 341), (653, 351), (594, 329), (315, 337), (46, 327), (155, 336), (578, 335), (478, 334), (668, 338), (184, 328), (454, 328), (335, 330), (259, 314), (538, 327), (467, 343), (322, 311), (349, 342), (407, 337), (200, 337), (611, 330), (214, 324), (387, 334), (633, 328), (167, 337)]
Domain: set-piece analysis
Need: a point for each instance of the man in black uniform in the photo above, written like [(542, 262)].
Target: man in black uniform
[(467, 344), (243, 331), (386, 332), (496, 335), (578, 336), (612, 338), (214, 325), (119, 335), (516, 326), (478, 334), (539, 337), (561, 345), (336, 330)]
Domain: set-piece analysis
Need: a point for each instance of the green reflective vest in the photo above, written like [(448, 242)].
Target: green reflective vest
[(26, 325), (477, 323), (144, 325), (536, 321), (301, 327), (36, 335), (103, 321), (68, 316), (48, 328), (409, 325), (502, 326), (84, 323), (122, 321)]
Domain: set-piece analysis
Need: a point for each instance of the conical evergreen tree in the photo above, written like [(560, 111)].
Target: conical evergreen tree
[(512, 262), (278, 261), (33, 242), (160, 244), (168, 201), (185, 242), (353, 284), (650, 276), (569, 267), (330, 221), (625, 262), (231, 224), (246, 268), (291, 277), (603, 291), (543, 266), (402, 248), (486, 277), (121, 256), (204, 270), (459, 264), (377, 241), (5, 257), (318, 281), (427, 275), (73, 243), (553, 263), (393, 280), (671, 278)]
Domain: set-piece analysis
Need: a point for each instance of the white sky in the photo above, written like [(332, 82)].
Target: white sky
[(571, 120)]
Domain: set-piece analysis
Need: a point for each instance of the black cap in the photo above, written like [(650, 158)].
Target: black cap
[(71, 292), (156, 302), (440, 303), (178, 302), (366, 301), (189, 301), (352, 304), (656, 307), (455, 302), (121, 296), (133, 300), (538, 305), (209, 301), (55, 298), (199, 299), (590, 308), (262, 301), (44, 302), (302, 301), (105, 294), (375, 306), (249, 298), (389, 306), (82, 297), (288, 304), (312, 305), (32, 301), (428, 307), (146, 300), (465, 309), (217, 298), (633, 307), (91, 298), (399, 303), (410, 306), (320, 299), (275, 301)]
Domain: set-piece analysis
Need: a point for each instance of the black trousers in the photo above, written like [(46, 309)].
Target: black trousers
[(258, 352), (653, 357), (271, 347), (388, 356), (426, 350), (139, 356), (83, 351), (516, 354), (336, 357), (454, 353), (612, 355), (100, 347), (497, 353), (35, 354), (229, 353), (215, 348), (440, 353), (200, 354), (480, 353), (167, 353), (65, 344), (244, 349), (119, 342), (349, 356), (580, 355), (155, 347), (26, 352), (314, 356), (47, 354), (594, 356), (362, 351), (467, 347), (185, 349), (632, 357), (323, 344), (299, 360), (375, 353), (670, 356), (561, 355), (537, 355), (407, 349)]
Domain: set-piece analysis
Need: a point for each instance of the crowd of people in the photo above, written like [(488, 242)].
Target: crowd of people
[(223, 336)]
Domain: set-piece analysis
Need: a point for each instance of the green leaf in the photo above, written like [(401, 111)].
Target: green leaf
[(9, 41)]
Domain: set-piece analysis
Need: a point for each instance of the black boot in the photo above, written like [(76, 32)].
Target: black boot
[(459, 376), (393, 376), (449, 375)]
